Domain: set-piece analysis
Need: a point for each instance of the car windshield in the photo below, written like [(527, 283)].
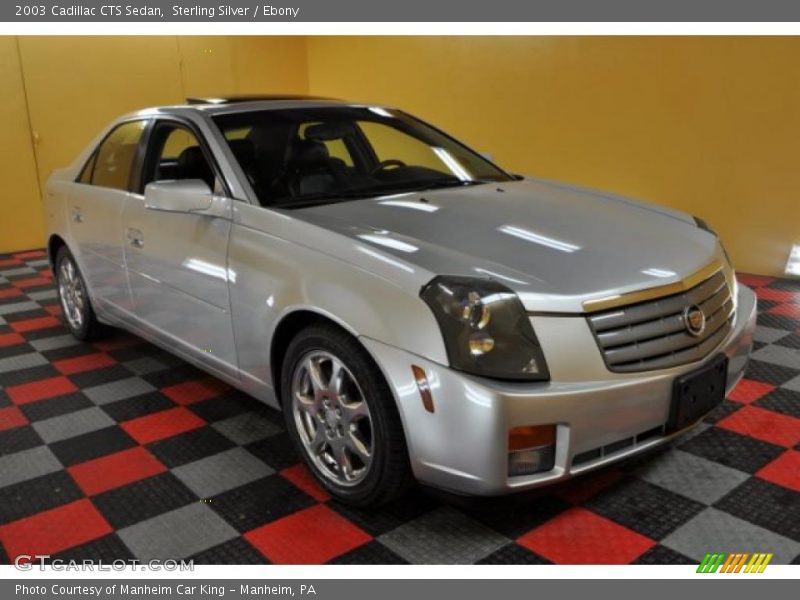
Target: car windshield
[(306, 156)]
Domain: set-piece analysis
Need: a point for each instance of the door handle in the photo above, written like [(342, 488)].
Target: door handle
[(77, 215), (135, 237)]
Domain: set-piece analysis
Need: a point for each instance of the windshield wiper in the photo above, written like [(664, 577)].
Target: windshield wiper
[(447, 183), (372, 192), (327, 198)]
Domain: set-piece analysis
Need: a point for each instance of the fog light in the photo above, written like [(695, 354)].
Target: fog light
[(528, 462), (531, 449)]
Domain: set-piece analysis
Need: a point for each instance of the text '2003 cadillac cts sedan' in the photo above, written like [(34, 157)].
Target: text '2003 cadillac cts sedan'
[(416, 311)]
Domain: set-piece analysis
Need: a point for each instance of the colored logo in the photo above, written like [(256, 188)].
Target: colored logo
[(739, 562), (694, 319)]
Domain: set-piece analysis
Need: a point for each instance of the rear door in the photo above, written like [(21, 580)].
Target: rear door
[(177, 261), (95, 208)]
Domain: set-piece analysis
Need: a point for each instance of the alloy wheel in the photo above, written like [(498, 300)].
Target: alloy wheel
[(72, 293), (332, 418)]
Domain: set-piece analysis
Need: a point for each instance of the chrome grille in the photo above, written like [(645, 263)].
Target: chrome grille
[(652, 334)]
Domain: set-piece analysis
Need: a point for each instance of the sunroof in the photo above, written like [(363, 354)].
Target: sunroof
[(250, 98)]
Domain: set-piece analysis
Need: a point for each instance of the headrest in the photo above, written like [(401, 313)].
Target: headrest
[(326, 132), (192, 164), (190, 158), (309, 152)]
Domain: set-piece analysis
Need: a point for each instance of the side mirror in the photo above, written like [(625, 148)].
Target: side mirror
[(178, 195)]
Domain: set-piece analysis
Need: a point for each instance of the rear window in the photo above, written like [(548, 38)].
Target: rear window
[(114, 158)]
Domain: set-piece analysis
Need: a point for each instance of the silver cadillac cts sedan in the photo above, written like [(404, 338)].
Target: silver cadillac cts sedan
[(416, 311)]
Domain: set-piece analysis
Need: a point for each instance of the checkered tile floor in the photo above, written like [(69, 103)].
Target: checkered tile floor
[(119, 450)]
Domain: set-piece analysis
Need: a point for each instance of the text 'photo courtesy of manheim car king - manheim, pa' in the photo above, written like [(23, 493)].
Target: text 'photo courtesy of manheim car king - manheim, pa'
[(417, 312)]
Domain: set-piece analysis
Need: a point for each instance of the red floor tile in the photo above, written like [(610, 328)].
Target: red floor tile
[(749, 390), (784, 470), (89, 362), (754, 280), (32, 324), (115, 470), (31, 282), (10, 293), (161, 425), (11, 417), (195, 391), (302, 479), (40, 390), (29, 254), (763, 425), (10, 339), (786, 310), (10, 263), (53, 309), (580, 537), (54, 530), (776, 295), (311, 536), (125, 341)]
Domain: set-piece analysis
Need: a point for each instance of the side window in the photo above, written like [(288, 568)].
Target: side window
[(86, 173), (177, 154), (114, 158)]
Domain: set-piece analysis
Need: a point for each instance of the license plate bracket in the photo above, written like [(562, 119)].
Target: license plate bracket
[(695, 394)]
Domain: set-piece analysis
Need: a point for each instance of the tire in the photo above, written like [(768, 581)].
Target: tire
[(76, 306), (387, 474)]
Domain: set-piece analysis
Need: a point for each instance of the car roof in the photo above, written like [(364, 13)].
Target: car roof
[(215, 105)]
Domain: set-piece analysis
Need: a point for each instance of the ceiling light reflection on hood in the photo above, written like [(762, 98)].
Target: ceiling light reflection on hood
[(388, 242), (662, 273), (429, 208), (386, 259), (500, 276), (536, 238)]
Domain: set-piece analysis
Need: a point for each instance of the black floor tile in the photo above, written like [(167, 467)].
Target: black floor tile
[(190, 446), (36, 495), (765, 504), (144, 499), (732, 449), (371, 553), (260, 502), (92, 445), (237, 551), (513, 554), (645, 508)]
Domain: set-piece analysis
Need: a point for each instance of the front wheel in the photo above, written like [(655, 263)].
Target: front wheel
[(75, 303), (342, 417)]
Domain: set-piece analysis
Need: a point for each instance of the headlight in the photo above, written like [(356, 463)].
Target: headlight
[(485, 328)]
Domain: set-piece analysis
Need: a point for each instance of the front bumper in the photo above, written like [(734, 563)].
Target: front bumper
[(462, 446)]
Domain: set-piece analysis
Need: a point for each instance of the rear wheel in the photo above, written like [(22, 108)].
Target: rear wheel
[(75, 303), (342, 417)]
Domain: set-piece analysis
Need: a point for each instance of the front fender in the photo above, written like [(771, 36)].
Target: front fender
[(272, 278)]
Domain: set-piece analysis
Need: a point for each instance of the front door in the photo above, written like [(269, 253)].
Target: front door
[(177, 261)]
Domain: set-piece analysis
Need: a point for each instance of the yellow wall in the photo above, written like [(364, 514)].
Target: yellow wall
[(707, 125), (76, 85), (21, 224)]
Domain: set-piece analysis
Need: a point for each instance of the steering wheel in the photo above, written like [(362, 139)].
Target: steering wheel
[(385, 164)]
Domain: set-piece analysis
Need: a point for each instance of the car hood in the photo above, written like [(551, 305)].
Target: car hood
[(555, 245)]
